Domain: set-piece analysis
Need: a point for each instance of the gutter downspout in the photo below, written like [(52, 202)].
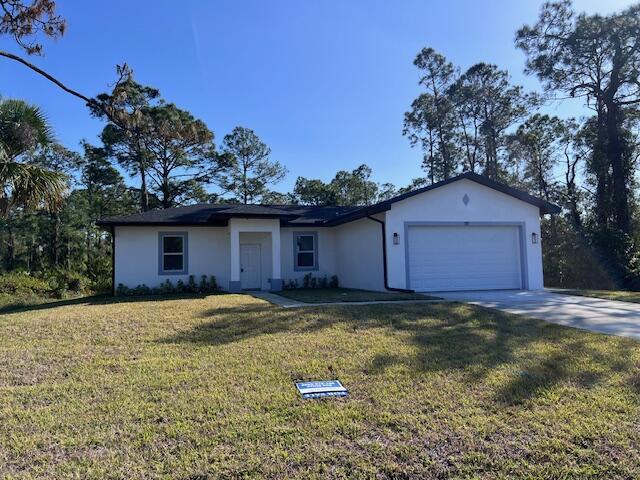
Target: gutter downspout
[(384, 259)]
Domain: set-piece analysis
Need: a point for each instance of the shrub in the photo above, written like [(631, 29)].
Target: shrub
[(323, 282), (306, 280), (167, 287), (204, 284), (333, 283), (102, 285), (192, 287), (22, 284), (122, 290), (141, 290), (213, 284), (313, 283), (62, 281)]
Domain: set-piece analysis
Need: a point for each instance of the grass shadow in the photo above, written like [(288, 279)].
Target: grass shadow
[(471, 340), (100, 299)]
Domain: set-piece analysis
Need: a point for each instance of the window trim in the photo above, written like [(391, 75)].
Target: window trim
[(185, 253), (296, 267)]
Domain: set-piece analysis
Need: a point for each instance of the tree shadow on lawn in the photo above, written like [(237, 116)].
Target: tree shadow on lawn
[(449, 337), (101, 299)]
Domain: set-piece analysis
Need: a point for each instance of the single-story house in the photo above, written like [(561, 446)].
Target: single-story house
[(464, 233)]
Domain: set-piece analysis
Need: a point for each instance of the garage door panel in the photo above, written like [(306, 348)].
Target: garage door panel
[(464, 257)]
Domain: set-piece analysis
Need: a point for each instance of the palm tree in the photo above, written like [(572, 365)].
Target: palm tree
[(24, 128)]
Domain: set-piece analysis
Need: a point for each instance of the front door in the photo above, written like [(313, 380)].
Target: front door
[(250, 275)]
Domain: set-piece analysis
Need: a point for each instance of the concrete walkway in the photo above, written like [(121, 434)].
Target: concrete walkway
[(288, 303), (594, 314)]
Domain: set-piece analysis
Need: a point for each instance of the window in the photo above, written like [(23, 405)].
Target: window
[(305, 250), (173, 253)]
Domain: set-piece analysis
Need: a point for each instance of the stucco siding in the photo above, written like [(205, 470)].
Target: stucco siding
[(446, 204), (359, 255), (326, 253), (137, 256)]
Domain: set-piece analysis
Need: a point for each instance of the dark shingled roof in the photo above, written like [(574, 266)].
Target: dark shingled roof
[(300, 215)]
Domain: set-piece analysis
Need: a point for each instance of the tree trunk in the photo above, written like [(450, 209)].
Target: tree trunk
[(615, 154), (144, 194), (11, 248), (55, 243)]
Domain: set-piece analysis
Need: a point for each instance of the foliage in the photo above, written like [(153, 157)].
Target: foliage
[(597, 58), (251, 169), (206, 285), (23, 182), (24, 22), (346, 188), (18, 283), (310, 281), (461, 120)]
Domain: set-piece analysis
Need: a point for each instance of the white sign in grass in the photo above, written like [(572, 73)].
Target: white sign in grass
[(321, 389)]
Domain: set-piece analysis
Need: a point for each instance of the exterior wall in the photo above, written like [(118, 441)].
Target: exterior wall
[(359, 255), (326, 253), (445, 204), (137, 255), (352, 251)]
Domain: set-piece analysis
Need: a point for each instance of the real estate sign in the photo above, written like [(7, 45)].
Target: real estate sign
[(321, 389)]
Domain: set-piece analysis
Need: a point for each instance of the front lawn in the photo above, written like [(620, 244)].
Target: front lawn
[(202, 387), (331, 295), (622, 295)]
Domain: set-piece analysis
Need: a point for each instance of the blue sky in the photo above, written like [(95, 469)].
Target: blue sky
[(324, 83)]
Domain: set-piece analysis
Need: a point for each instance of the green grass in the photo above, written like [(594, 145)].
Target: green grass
[(621, 295), (202, 387), (330, 295)]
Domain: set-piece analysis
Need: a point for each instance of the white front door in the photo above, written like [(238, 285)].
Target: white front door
[(250, 272)]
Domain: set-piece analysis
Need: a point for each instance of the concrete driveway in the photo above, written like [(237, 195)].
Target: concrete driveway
[(597, 315)]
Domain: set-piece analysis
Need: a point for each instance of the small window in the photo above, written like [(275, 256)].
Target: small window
[(305, 251), (173, 253)]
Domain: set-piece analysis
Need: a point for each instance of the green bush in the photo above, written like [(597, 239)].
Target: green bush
[(167, 288), (23, 284), (204, 284), (334, 283), (62, 281), (192, 286)]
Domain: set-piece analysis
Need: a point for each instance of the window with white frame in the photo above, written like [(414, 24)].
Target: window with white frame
[(305, 246), (173, 253)]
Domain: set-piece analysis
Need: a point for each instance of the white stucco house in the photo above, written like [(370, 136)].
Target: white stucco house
[(465, 233)]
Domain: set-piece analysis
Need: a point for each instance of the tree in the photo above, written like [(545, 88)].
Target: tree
[(23, 129), (313, 192), (278, 198), (251, 170), (170, 150), (598, 58), (25, 22), (487, 100), (181, 155), (431, 119), (538, 145), (124, 139), (355, 187)]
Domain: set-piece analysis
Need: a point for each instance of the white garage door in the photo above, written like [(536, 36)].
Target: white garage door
[(445, 258)]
